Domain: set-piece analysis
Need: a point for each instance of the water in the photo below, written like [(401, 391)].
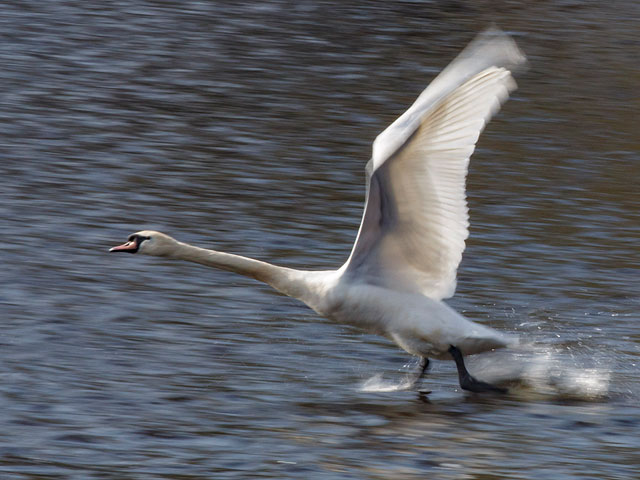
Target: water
[(246, 127)]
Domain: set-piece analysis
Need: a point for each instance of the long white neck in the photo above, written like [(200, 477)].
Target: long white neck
[(294, 283)]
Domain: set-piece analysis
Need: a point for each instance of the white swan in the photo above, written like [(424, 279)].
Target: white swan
[(414, 226)]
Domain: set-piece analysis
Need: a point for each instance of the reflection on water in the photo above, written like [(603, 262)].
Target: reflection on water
[(246, 127)]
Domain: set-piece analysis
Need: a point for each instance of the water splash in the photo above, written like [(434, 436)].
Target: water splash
[(402, 382), (566, 375), (531, 371), (378, 384), (548, 371)]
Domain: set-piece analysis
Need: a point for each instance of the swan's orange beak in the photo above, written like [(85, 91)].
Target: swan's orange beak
[(129, 247)]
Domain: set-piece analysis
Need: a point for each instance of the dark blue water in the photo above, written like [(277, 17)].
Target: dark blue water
[(246, 127)]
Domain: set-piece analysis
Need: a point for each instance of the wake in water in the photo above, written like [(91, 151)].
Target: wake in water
[(530, 370)]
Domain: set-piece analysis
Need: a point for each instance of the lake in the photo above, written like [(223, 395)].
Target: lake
[(245, 127)]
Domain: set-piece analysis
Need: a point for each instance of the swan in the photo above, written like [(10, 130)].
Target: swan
[(415, 222)]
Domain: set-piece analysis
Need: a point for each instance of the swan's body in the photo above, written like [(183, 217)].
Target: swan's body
[(415, 223)]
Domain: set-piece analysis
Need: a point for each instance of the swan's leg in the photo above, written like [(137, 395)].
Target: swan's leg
[(422, 369), (467, 382)]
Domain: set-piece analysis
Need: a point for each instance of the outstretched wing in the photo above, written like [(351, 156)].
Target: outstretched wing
[(415, 222)]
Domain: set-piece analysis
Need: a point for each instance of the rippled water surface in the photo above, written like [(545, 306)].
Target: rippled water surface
[(246, 127)]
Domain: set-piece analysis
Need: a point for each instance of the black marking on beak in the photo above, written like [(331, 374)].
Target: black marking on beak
[(133, 244)]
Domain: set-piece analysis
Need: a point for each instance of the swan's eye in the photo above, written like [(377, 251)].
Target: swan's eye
[(137, 238), (140, 238)]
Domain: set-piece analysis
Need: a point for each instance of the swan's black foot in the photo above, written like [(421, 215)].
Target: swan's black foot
[(422, 369), (467, 381), (473, 385)]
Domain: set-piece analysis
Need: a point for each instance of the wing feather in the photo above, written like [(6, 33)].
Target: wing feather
[(415, 222)]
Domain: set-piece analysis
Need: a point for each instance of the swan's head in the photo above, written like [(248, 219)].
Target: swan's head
[(149, 243)]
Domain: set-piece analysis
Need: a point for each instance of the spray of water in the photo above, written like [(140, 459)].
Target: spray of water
[(530, 371)]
